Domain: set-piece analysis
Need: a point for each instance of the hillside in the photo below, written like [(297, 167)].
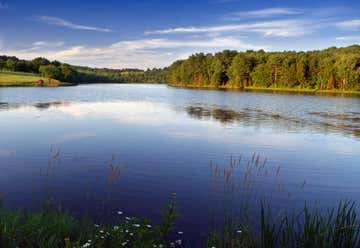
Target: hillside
[(22, 79)]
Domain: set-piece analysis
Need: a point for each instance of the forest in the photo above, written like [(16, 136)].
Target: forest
[(80, 74), (329, 69)]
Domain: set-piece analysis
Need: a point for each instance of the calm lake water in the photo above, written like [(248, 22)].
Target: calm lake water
[(97, 149)]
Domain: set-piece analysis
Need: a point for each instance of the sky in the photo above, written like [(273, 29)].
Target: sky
[(147, 34)]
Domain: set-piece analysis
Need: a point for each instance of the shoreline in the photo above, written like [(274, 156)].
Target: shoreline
[(273, 90)]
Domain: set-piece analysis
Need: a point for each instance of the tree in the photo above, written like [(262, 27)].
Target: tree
[(50, 71), (11, 64)]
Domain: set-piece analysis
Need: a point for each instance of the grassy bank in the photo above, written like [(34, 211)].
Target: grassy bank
[(338, 227), (273, 90), (22, 79), (53, 228)]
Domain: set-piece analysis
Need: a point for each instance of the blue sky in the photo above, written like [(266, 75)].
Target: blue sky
[(143, 34)]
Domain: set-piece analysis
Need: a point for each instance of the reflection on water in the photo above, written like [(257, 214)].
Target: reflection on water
[(345, 123), (348, 123), (39, 105), (163, 140)]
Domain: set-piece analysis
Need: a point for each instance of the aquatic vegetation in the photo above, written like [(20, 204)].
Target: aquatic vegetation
[(338, 227), (55, 228)]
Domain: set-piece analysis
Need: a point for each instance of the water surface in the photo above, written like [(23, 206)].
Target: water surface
[(97, 149)]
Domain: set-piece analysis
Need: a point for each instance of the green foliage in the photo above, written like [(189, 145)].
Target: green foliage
[(54, 228), (335, 228), (80, 74), (335, 69), (330, 69), (50, 71)]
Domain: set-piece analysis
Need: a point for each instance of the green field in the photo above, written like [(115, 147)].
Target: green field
[(22, 79)]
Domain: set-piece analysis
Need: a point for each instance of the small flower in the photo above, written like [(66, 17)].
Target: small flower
[(123, 243), (102, 237), (96, 225), (120, 213), (180, 232), (86, 245), (239, 231), (172, 244), (131, 234), (101, 231), (136, 225), (148, 226), (126, 231), (179, 241), (116, 227), (127, 218)]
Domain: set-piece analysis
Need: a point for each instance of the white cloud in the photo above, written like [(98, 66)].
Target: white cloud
[(47, 44), (284, 28), (348, 38), (349, 24), (143, 53), (64, 23), (262, 13)]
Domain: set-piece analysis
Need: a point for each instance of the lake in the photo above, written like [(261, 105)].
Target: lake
[(98, 149)]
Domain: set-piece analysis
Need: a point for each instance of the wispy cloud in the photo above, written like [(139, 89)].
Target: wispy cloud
[(348, 38), (47, 44), (284, 28), (262, 13), (166, 43), (142, 53), (64, 23), (349, 24)]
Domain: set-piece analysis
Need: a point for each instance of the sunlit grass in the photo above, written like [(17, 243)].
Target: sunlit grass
[(22, 79)]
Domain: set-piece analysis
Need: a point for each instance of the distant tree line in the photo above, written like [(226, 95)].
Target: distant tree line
[(79, 74), (329, 69)]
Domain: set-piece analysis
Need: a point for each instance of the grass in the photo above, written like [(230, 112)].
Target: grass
[(55, 228), (338, 227), (22, 79)]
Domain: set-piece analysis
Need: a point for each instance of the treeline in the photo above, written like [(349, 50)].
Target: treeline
[(329, 69), (79, 74)]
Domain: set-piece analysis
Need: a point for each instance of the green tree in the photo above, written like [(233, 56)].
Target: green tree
[(50, 71)]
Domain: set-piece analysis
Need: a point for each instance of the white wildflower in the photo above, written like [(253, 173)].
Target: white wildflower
[(86, 245), (120, 213), (136, 225)]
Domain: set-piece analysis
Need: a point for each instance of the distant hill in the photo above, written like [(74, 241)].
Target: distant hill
[(80, 74)]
